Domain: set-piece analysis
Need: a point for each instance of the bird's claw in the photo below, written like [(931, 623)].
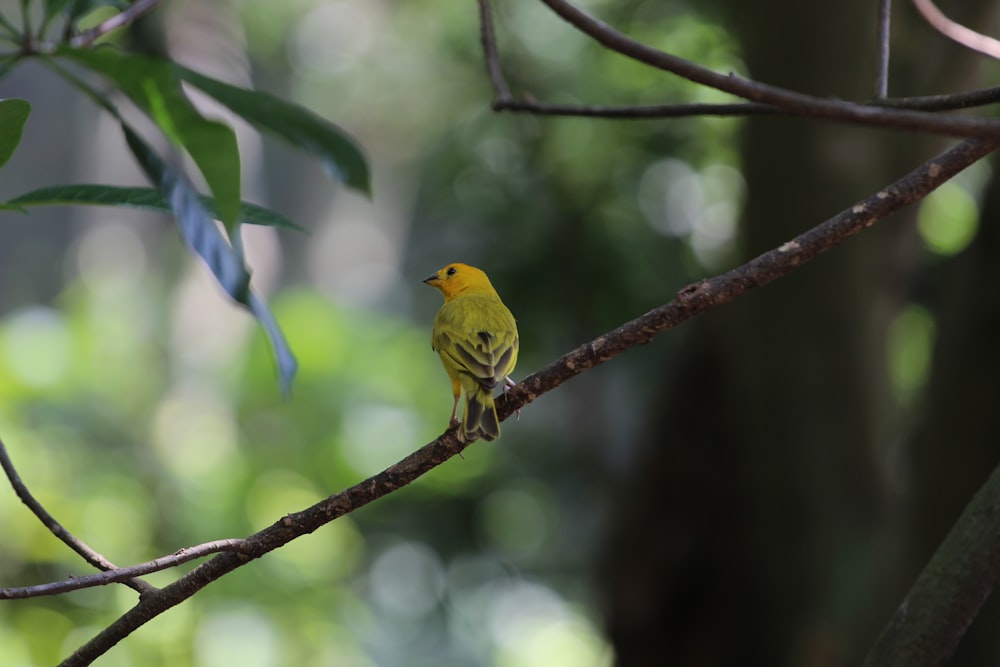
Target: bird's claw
[(507, 384)]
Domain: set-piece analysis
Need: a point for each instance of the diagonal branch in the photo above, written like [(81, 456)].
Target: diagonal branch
[(689, 303), (957, 32), (57, 529), (763, 269), (927, 626)]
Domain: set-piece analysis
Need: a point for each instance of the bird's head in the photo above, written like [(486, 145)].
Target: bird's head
[(457, 279)]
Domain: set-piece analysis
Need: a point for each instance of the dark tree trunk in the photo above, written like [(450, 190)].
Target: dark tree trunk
[(765, 528)]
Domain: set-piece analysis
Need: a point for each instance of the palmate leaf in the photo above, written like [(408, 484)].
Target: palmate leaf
[(141, 198), (154, 86), (13, 115)]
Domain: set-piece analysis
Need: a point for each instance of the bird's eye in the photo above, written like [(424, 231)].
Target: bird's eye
[(451, 271)]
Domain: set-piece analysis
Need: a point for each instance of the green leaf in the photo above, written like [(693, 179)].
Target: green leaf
[(53, 7), (206, 239), (141, 198), (287, 364), (75, 9), (7, 64), (295, 124), (154, 86), (193, 219), (13, 115)]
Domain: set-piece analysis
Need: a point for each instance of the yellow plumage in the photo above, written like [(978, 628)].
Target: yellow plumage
[(476, 337)]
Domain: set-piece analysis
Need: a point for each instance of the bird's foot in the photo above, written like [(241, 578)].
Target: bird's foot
[(507, 384)]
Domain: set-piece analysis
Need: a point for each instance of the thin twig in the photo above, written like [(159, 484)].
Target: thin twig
[(786, 100), (57, 529), (123, 18), (488, 37), (646, 111), (882, 58), (949, 102), (122, 574), (956, 31), (690, 302)]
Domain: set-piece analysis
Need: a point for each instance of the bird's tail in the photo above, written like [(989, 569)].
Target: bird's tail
[(480, 418)]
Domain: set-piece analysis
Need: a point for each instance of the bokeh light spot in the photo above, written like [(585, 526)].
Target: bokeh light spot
[(948, 219), (241, 636), (407, 578), (37, 347), (517, 521), (194, 434), (911, 345)]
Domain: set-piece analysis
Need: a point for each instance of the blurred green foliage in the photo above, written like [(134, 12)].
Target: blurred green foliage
[(141, 409)]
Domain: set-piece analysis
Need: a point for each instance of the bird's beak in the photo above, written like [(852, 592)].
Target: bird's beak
[(432, 280)]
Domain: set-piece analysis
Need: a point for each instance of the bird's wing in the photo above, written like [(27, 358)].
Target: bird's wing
[(485, 350)]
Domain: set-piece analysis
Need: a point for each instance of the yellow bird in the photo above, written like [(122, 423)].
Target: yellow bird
[(476, 337)]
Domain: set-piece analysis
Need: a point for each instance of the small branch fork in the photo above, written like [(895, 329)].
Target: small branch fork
[(907, 113)]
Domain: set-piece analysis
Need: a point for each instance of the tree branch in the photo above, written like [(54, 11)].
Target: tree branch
[(949, 102), (690, 302), (504, 100), (948, 594), (488, 37), (636, 112), (57, 529), (957, 32), (784, 101), (763, 269), (122, 574)]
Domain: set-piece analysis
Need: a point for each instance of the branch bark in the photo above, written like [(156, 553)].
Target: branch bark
[(948, 594)]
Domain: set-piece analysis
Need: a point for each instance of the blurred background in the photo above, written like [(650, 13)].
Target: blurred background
[(757, 487)]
